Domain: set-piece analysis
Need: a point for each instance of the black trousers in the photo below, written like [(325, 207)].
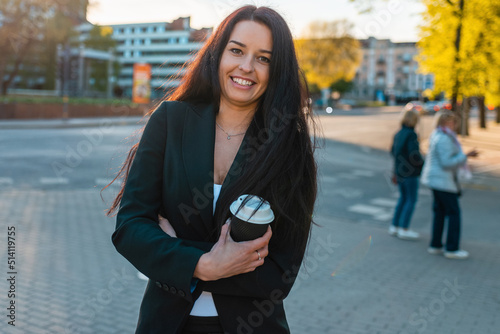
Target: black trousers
[(203, 325), (446, 206)]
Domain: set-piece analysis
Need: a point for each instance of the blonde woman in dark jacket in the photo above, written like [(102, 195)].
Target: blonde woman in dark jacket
[(407, 166)]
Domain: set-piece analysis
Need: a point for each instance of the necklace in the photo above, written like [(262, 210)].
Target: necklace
[(228, 135)]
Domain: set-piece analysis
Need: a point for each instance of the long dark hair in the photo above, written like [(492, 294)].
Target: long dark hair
[(278, 162)]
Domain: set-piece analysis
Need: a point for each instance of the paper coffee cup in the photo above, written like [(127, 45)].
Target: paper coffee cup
[(251, 216)]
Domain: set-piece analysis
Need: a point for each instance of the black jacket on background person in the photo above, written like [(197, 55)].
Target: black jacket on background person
[(172, 173), (406, 152)]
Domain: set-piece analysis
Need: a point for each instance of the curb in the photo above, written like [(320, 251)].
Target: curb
[(62, 123)]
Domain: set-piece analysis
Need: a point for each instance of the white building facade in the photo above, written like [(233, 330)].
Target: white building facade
[(165, 46)]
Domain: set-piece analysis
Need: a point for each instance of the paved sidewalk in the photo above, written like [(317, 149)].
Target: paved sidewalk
[(356, 278), (68, 122)]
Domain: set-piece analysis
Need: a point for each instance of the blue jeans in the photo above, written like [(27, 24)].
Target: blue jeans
[(408, 188), (446, 205)]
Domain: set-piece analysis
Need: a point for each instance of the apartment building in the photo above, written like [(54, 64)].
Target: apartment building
[(389, 72), (166, 46)]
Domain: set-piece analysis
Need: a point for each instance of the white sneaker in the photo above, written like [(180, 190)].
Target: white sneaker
[(434, 250), (459, 254), (393, 230), (408, 234)]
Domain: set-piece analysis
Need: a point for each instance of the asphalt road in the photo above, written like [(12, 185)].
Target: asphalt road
[(355, 279)]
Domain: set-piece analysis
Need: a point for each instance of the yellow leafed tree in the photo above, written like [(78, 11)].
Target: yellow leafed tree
[(459, 44), (328, 53)]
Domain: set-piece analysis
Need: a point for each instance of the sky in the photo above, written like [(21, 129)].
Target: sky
[(394, 19)]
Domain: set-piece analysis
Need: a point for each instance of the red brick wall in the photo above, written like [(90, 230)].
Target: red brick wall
[(47, 111)]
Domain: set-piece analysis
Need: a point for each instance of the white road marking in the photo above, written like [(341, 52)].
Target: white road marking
[(366, 209), (6, 180), (389, 202), (54, 180), (104, 182), (424, 191), (384, 216)]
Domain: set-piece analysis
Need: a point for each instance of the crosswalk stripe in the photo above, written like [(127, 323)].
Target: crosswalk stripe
[(424, 191), (389, 202), (383, 216), (6, 180), (366, 209), (54, 180), (104, 182)]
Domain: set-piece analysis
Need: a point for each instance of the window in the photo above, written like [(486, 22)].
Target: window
[(407, 57)]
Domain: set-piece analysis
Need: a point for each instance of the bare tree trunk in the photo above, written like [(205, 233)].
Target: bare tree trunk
[(2, 74), (463, 117), (3, 67), (23, 52), (482, 112), (498, 114)]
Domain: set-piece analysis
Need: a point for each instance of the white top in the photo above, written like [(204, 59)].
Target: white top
[(204, 306)]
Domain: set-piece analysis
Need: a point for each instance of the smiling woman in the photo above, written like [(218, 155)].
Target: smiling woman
[(244, 66), (238, 124)]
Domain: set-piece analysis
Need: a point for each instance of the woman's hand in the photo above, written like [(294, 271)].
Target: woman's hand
[(166, 226), (229, 258), (472, 153)]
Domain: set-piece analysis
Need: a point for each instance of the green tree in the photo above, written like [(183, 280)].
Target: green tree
[(30, 31), (328, 53), (342, 86), (100, 38)]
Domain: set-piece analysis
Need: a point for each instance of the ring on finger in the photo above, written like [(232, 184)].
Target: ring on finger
[(258, 255)]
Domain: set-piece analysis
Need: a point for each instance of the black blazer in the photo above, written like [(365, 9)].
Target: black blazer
[(172, 173)]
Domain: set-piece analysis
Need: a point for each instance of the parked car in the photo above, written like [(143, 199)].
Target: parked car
[(415, 105), (445, 105), (432, 107)]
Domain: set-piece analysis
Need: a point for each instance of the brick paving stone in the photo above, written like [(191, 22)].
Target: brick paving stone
[(381, 284)]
